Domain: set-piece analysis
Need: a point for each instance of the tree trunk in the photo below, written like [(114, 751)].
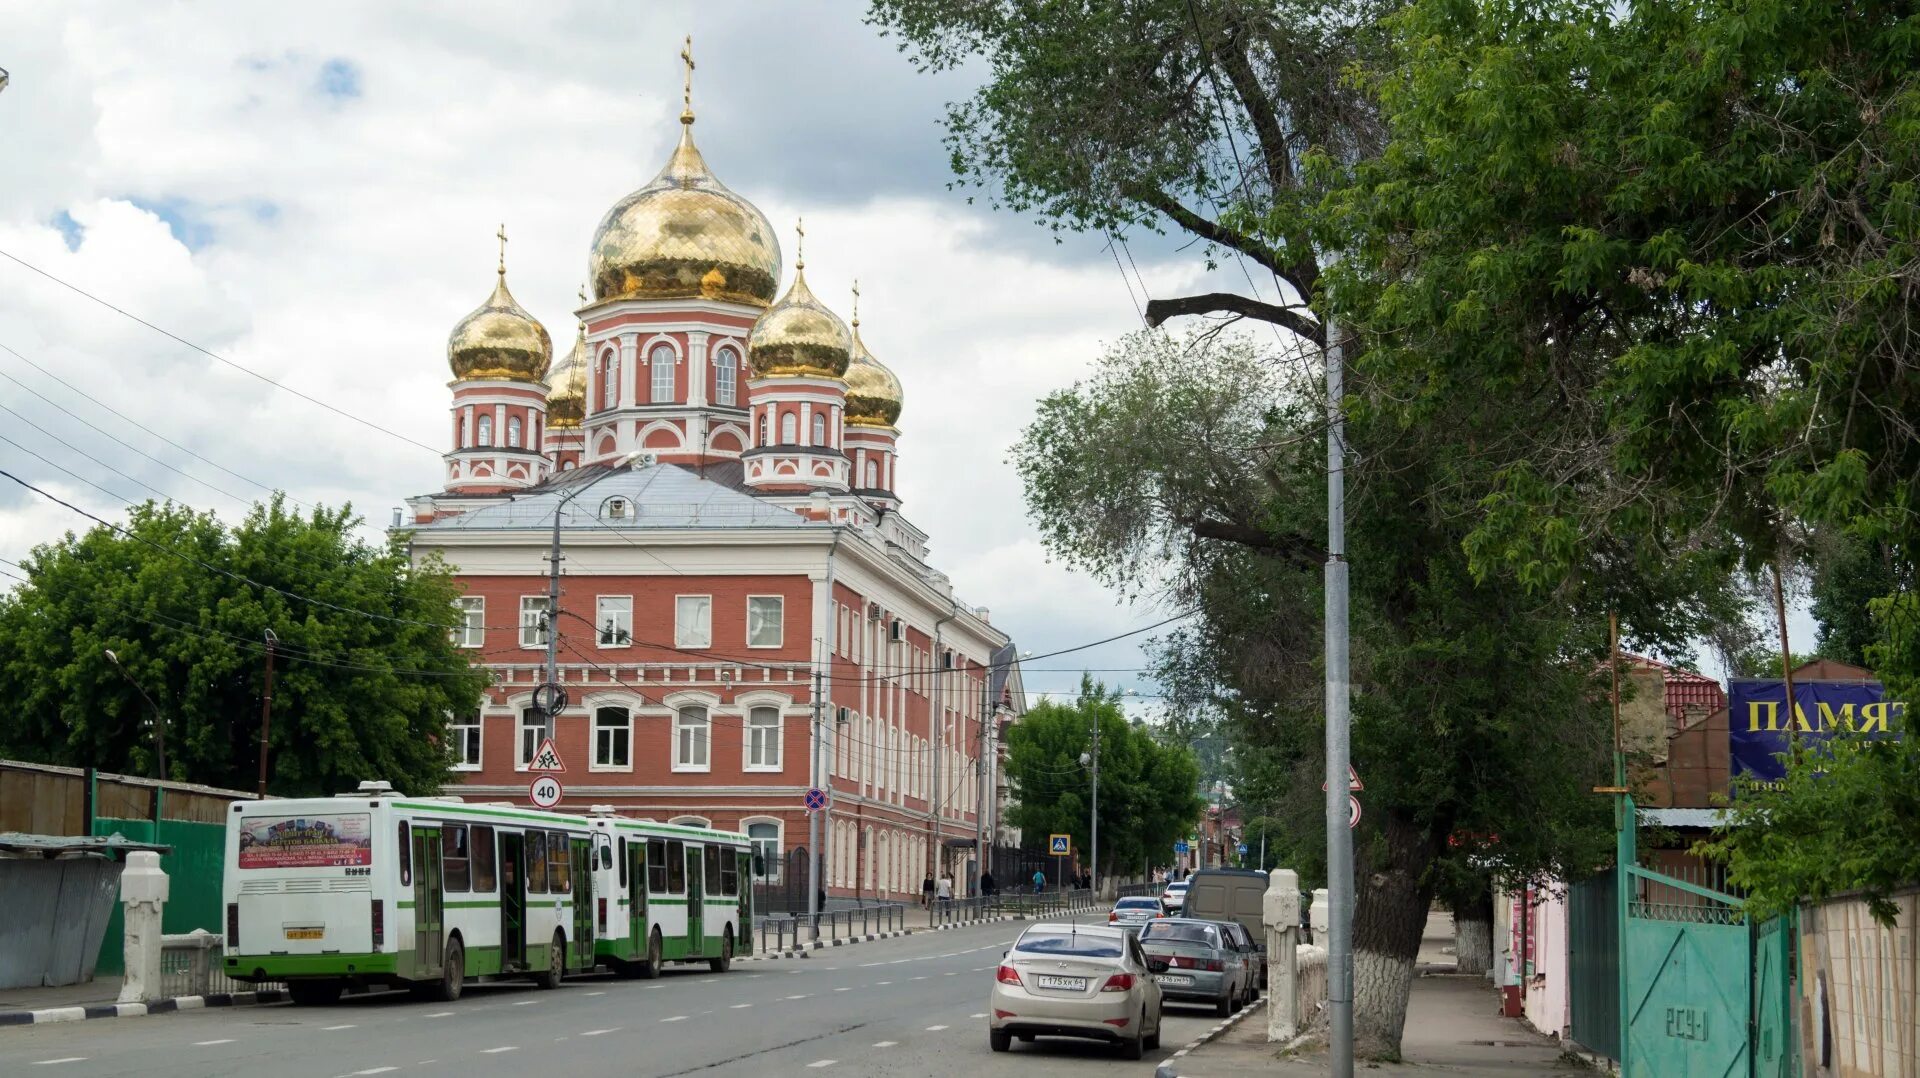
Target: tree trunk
[(1473, 934), (1388, 921)]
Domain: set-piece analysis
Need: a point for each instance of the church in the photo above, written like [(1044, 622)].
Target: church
[(744, 612)]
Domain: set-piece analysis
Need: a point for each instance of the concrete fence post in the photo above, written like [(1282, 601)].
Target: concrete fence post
[(1280, 912), (143, 891), (1320, 916)]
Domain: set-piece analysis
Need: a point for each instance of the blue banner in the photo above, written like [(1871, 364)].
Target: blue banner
[(1757, 722)]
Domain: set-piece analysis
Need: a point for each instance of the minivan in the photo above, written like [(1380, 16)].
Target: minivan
[(1229, 894)]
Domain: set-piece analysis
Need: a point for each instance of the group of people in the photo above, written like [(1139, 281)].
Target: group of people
[(932, 891)]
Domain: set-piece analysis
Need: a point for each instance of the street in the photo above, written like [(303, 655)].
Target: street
[(910, 1006)]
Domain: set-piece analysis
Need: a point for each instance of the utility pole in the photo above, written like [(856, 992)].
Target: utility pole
[(1339, 834), (266, 712), (159, 721), (549, 699), (813, 818), (1093, 760)]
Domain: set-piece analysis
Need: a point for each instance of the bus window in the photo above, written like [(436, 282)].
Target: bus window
[(558, 867), (483, 859), (710, 861), (656, 866), (459, 863), (536, 862), (729, 872), (606, 852), (406, 854), (623, 863), (676, 867)]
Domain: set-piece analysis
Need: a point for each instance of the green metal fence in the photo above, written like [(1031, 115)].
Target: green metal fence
[(1593, 961), (193, 869)]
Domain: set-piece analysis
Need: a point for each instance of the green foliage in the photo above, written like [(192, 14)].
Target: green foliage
[(1849, 574), (1147, 788), (355, 695)]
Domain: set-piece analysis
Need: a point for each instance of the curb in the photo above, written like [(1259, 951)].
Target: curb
[(821, 945), (1167, 1069), (135, 1010)]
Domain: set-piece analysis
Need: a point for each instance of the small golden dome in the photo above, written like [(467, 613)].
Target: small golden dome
[(567, 386), (500, 340), (799, 336), (874, 395), (684, 235)]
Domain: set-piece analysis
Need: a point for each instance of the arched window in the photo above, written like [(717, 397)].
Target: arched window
[(765, 838), (661, 360), (789, 429), (486, 430), (461, 441), (726, 364), (819, 429), (761, 438), (873, 476), (513, 431), (609, 379)]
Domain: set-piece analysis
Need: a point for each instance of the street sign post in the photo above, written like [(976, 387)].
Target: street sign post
[(547, 759), (545, 792), (816, 799), (1180, 847)]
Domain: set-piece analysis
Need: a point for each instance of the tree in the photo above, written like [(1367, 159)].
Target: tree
[(1147, 789), (1849, 574), (365, 678)]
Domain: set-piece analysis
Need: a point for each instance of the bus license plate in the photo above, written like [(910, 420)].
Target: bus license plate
[(306, 933), (1174, 979), (1071, 984)]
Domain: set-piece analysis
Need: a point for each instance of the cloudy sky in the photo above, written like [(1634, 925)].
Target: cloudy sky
[(312, 194)]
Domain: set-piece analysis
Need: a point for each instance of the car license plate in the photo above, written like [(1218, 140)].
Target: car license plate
[(1070, 984), (1165, 978), (306, 933)]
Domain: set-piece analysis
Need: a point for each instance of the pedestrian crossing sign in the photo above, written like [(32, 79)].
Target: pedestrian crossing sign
[(547, 759), (1057, 844)]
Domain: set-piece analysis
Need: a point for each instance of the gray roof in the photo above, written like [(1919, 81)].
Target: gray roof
[(1683, 817), (51, 847), (668, 496)]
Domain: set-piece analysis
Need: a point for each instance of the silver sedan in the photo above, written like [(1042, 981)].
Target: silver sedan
[(1066, 980)]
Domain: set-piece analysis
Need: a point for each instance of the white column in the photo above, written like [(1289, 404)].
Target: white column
[(697, 370), (629, 352), (143, 891)]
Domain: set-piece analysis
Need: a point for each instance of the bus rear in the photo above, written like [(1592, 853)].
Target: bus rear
[(308, 887)]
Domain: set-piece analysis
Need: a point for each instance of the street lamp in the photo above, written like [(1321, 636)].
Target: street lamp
[(159, 721), (550, 698), (266, 712)]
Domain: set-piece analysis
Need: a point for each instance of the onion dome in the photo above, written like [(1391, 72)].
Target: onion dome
[(873, 392), (684, 235), (500, 339), (567, 383), (799, 336)]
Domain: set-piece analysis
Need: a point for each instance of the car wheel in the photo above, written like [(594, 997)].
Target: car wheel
[(725, 961), (1000, 1039), (1224, 1007), (453, 975), (1153, 1039), (1134, 1047)]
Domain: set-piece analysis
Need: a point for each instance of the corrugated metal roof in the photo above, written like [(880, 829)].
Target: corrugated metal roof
[(50, 846), (662, 496), (1683, 817)]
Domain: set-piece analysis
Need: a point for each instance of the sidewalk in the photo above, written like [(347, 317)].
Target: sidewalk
[(97, 991), (1453, 1027)]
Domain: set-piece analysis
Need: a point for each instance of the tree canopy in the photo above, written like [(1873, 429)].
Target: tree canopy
[(365, 674)]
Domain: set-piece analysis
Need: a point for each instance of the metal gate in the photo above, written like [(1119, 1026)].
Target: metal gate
[(1775, 1048)]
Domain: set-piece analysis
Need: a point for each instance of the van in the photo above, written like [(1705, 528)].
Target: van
[(1229, 894)]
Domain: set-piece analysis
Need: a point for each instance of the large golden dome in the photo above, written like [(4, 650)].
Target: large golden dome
[(799, 336), (874, 395), (567, 386), (685, 235), (500, 340)]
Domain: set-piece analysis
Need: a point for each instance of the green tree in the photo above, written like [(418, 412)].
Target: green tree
[(365, 676), (1147, 788), (1849, 574)]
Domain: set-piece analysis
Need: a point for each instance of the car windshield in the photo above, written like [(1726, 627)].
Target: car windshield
[(1076, 944), (1178, 933)]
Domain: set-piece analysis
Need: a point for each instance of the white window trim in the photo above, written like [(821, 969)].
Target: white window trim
[(692, 821), (673, 702), (653, 377), (480, 724), (781, 704), (733, 385), (676, 621), (777, 645), (777, 866), (520, 707), (522, 637), (480, 608), (597, 622), (593, 728)]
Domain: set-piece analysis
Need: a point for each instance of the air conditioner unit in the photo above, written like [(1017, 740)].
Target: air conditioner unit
[(841, 716), (899, 631), (873, 611)]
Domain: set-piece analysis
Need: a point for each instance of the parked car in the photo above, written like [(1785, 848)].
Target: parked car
[(1256, 953), (1228, 894), (1174, 897), (1202, 966), (1136, 911), (1066, 980)]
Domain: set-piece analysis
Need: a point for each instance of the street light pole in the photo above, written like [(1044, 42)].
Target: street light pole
[(551, 699), (266, 712), (159, 721), (1339, 834)]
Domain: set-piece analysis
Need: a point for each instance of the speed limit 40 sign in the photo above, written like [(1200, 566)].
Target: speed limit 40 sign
[(545, 792)]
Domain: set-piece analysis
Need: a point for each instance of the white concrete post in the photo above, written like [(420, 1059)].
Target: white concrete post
[(1320, 916), (143, 891), (1280, 911)]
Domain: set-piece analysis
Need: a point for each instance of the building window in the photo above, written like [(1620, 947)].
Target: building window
[(486, 430), (612, 738), (764, 629), (763, 739), (614, 615), (661, 360), (691, 821), (464, 733), (609, 379), (533, 621), (616, 509), (693, 621), (765, 838), (690, 739), (789, 429), (513, 432), (760, 439), (873, 476), (726, 365), (463, 432), (819, 429), (533, 727), (472, 632)]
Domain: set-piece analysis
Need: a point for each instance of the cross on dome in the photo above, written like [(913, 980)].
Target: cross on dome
[(800, 246), (686, 93), (502, 235), (856, 303)]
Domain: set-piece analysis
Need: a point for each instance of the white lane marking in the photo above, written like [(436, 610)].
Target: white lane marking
[(982, 1014), (524, 1002), (843, 989), (981, 969), (675, 1018), (935, 1029), (740, 1006), (596, 993), (708, 980), (802, 995), (823, 1063), (439, 1014), (870, 965), (204, 1044), (497, 1051), (879, 983), (885, 1044), (331, 1029), (62, 1059), (919, 978), (895, 962), (597, 1032), (955, 973), (376, 1070)]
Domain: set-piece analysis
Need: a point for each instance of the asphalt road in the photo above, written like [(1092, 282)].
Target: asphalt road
[(909, 1006)]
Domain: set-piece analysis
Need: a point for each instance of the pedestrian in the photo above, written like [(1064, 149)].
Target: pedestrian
[(986, 884), (1039, 881), (822, 907), (926, 891), (944, 891)]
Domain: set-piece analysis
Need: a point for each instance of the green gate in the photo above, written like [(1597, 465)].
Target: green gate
[(1688, 980), (1775, 1048)]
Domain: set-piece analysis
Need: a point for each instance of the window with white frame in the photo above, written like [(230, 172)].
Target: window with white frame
[(464, 732), (691, 728), (609, 379), (761, 438), (693, 621), (819, 429), (763, 739), (486, 430), (764, 626), (765, 838), (789, 429), (661, 361), (472, 632), (532, 728), (513, 432), (612, 738), (533, 621), (726, 366), (873, 476), (613, 616)]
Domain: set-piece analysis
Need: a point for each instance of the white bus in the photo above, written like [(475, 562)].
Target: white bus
[(430, 893), (668, 893)]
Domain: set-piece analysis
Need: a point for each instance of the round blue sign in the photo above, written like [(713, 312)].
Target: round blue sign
[(816, 799)]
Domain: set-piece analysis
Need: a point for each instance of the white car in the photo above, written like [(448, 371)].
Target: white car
[(1175, 897), (1068, 980)]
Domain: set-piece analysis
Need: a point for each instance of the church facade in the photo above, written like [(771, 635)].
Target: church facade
[(744, 612)]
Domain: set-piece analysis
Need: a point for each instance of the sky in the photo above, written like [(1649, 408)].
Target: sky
[(312, 193)]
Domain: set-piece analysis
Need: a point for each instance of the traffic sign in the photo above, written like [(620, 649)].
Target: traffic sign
[(1058, 844), (545, 792), (547, 759), (1353, 811), (1180, 847), (816, 799), (1353, 781)]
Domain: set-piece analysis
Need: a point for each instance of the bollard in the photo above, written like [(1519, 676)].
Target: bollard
[(1280, 912), (143, 891), (1320, 915)]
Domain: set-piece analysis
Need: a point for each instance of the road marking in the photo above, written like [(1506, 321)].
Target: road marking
[(331, 1029), (885, 1044), (982, 1014), (62, 1059), (596, 993), (597, 1032), (823, 1063), (843, 989), (955, 973), (935, 1029), (376, 1070), (802, 995), (870, 965), (895, 962), (204, 1044), (981, 969), (675, 1018), (524, 1002), (877, 984), (439, 1014), (740, 1006), (708, 980), (919, 978), (497, 1051)]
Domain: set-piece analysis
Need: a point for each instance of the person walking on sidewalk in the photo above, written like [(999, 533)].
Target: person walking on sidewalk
[(1039, 881), (986, 884), (926, 892), (944, 892)]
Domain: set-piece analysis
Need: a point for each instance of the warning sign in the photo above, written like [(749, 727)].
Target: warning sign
[(547, 759)]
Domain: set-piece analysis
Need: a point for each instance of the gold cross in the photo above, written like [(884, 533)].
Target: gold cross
[(800, 248), (686, 57), (502, 234), (856, 303)]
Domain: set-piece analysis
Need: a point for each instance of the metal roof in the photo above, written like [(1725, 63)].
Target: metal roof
[(1683, 817), (660, 497), (18, 844)]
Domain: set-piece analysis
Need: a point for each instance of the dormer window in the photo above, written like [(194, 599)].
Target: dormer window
[(616, 509)]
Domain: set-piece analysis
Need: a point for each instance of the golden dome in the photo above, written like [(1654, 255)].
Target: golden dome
[(685, 235), (500, 340), (874, 395), (567, 386), (799, 336)]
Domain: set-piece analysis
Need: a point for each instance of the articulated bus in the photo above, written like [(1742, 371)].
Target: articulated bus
[(432, 893), (673, 893)]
